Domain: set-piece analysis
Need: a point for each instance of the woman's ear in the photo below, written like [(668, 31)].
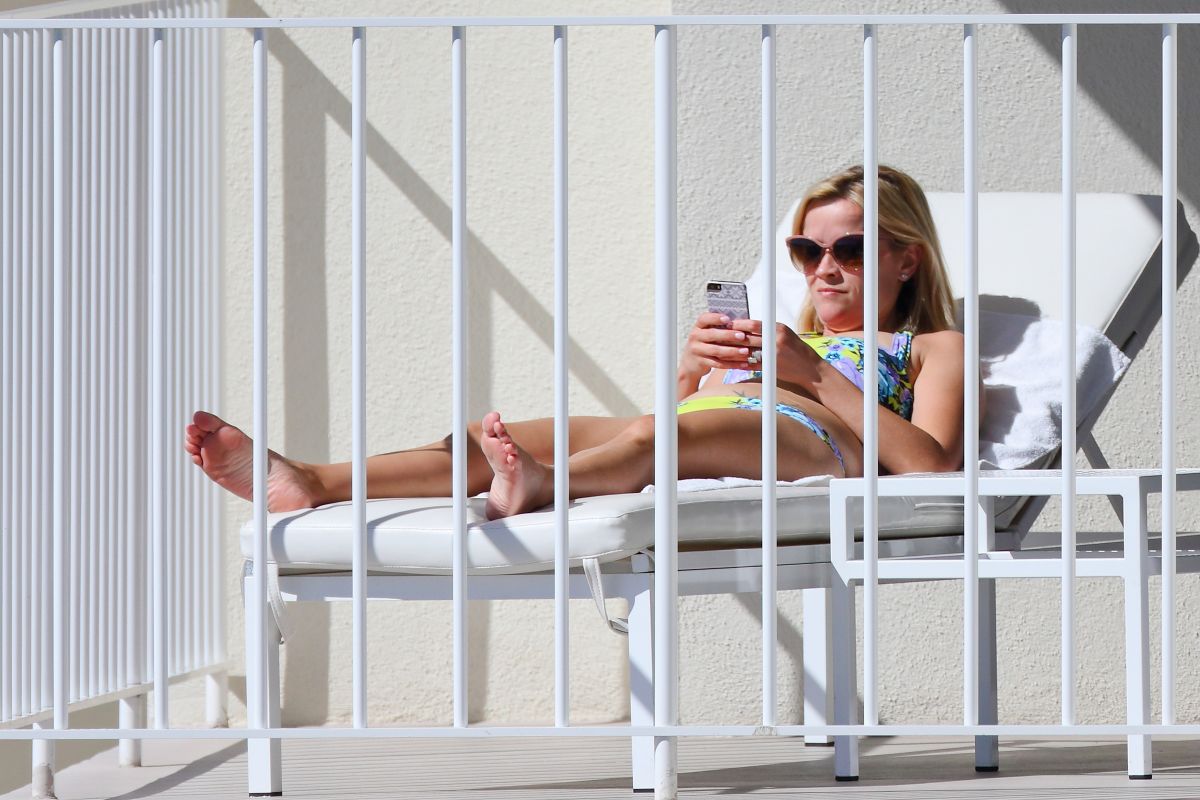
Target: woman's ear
[(910, 262)]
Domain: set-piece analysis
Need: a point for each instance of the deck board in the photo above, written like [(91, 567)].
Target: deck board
[(598, 769)]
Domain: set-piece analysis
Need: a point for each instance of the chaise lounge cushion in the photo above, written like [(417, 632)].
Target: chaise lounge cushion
[(413, 535)]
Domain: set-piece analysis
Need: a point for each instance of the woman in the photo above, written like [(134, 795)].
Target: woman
[(819, 386)]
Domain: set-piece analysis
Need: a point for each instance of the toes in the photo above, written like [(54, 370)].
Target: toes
[(207, 422)]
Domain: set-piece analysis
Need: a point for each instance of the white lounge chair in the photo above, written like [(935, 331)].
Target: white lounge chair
[(409, 541)]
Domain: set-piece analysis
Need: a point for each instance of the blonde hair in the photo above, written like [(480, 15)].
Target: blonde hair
[(925, 303)]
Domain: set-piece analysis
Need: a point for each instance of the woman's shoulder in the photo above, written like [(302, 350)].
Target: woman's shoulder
[(938, 339), (941, 346)]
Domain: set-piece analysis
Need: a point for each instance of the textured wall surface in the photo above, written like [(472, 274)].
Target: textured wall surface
[(509, 177), (509, 103), (920, 130)]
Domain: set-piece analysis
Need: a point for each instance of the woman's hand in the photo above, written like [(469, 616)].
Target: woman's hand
[(796, 362), (713, 345)]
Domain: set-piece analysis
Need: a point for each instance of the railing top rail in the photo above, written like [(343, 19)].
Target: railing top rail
[(698, 19)]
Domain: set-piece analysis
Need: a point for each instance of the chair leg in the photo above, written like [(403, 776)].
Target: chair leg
[(1137, 637), (216, 692), (131, 713), (42, 784), (264, 765), (641, 687), (987, 748), (845, 679), (817, 663)]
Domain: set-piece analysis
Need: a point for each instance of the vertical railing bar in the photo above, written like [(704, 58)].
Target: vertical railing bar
[(204, 340), (35, 221), (44, 271), (81, 287), (185, 533), (770, 565), (1069, 52), (216, 358), (191, 527), (358, 246), (666, 464), (120, 262), (49, 468), (562, 491), (1170, 256), (197, 524), (8, 390), (175, 325), (24, 579), (970, 385), (870, 378), (256, 657), (105, 375), (458, 113), (6, 381), (133, 654), (79, 44), (158, 375), (92, 371), (127, 526), (200, 179), (189, 531), (20, 342), (39, 494), (58, 505)]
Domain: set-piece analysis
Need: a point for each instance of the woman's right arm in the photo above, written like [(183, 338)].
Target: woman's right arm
[(710, 346)]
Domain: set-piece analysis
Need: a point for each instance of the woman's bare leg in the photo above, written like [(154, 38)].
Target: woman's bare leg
[(225, 453), (712, 444)]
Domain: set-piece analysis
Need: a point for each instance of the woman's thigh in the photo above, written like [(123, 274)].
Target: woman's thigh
[(728, 442)]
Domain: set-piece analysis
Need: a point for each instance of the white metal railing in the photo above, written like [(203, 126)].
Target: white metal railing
[(170, 224), (110, 578)]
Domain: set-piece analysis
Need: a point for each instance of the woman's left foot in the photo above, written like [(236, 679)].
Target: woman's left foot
[(520, 482)]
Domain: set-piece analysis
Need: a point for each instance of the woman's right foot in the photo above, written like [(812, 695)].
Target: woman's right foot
[(227, 456), (519, 483)]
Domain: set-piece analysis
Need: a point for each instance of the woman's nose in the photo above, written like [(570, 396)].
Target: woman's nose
[(827, 267)]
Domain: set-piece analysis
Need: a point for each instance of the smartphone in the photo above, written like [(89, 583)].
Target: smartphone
[(731, 299)]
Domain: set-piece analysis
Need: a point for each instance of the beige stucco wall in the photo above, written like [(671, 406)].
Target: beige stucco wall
[(509, 104), (612, 253), (509, 217), (920, 113)]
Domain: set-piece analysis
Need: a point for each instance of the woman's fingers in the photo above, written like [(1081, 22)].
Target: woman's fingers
[(721, 356)]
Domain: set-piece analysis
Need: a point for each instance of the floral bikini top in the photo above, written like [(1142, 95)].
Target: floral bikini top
[(845, 353)]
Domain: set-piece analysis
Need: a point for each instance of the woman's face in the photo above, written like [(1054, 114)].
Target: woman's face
[(837, 294)]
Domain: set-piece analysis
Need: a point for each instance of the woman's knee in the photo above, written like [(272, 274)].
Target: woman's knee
[(640, 431)]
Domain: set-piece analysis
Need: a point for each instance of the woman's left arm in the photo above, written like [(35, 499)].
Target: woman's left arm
[(938, 398)]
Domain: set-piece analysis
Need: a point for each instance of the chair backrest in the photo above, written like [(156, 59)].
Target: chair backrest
[(1020, 256), (1118, 268)]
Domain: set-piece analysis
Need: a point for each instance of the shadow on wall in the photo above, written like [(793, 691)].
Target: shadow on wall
[(309, 100), (1120, 67)]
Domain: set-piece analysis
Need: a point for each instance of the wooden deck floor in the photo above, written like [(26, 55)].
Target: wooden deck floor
[(598, 769)]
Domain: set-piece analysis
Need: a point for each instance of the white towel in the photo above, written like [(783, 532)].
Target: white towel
[(1021, 364)]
